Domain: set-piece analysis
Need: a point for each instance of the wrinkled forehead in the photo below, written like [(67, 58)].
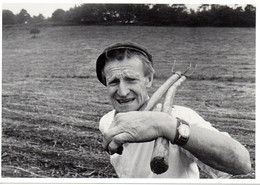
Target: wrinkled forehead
[(117, 73), (129, 67)]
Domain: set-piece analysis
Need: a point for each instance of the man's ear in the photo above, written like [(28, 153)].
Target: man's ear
[(149, 80)]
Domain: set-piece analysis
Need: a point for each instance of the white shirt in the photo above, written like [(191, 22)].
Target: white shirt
[(134, 162)]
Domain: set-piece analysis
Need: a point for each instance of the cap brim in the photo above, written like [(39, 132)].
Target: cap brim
[(99, 68)]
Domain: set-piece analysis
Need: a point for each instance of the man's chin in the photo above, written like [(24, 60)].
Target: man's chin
[(122, 111), (119, 109), (122, 108)]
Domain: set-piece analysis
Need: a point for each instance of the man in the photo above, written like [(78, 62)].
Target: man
[(127, 71)]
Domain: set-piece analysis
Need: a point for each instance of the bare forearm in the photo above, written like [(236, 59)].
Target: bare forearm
[(218, 151), (211, 147)]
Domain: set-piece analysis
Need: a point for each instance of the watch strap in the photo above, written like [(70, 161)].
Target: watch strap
[(180, 140)]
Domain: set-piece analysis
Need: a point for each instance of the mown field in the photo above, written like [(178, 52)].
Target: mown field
[(52, 101)]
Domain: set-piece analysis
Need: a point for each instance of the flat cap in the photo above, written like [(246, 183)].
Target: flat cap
[(127, 45)]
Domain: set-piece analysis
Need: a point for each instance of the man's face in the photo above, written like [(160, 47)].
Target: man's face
[(126, 84)]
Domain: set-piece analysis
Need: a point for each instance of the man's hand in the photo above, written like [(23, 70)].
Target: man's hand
[(138, 126)]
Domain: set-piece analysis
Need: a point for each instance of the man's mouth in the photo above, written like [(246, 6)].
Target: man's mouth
[(126, 100)]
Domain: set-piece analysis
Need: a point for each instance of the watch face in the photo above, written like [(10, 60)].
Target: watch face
[(184, 130)]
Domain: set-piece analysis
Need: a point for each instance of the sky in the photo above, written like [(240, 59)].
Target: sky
[(47, 7)]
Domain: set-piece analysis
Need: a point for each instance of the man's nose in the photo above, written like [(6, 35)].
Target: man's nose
[(122, 89)]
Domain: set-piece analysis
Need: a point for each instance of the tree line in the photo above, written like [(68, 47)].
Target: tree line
[(142, 14)]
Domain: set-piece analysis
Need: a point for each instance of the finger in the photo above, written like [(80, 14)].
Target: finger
[(118, 115), (120, 150), (115, 146), (108, 135), (115, 120), (112, 124)]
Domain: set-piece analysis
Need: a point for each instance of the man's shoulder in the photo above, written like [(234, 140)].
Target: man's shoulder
[(108, 115), (183, 108), (187, 114), (106, 121)]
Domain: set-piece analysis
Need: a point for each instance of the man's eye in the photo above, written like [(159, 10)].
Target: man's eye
[(114, 82), (131, 79)]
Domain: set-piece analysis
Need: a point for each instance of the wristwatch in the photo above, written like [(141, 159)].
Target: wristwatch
[(183, 132)]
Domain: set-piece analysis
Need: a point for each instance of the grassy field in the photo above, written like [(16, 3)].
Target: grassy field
[(52, 101)]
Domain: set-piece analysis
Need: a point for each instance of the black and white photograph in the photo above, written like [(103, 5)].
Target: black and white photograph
[(145, 90)]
